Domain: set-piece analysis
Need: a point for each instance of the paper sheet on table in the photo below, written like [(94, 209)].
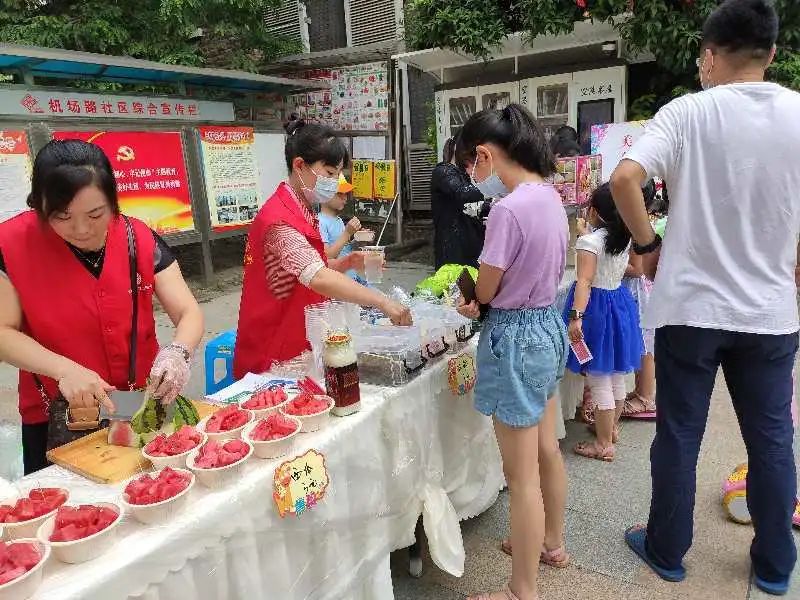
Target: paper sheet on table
[(244, 387)]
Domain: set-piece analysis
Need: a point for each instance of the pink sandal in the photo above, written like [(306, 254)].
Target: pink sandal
[(591, 450), (557, 557), (638, 407)]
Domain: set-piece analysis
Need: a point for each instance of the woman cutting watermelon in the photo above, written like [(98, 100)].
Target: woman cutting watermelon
[(285, 266), (67, 268)]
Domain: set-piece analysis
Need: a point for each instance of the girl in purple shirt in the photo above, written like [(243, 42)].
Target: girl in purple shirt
[(523, 343)]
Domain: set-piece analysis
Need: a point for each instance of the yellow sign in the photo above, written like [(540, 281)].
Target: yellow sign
[(383, 180), (362, 178), (461, 374), (300, 484)]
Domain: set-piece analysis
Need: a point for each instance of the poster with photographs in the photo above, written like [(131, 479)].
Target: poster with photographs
[(231, 175), (613, 141), (357, 101), (577, 177)]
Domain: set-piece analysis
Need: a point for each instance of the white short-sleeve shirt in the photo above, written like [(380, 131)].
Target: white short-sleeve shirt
[(610, 267), (730, 157)]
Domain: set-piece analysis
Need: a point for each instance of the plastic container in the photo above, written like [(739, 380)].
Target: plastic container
[(158, 512), (220, 476), (84, 549), (177, 461), (26, 529), (315, 422), (223, 436), (25, 586), (341, 374), (272, 448)]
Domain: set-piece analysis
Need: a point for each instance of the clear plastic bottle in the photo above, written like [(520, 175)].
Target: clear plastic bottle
[(341, 373)]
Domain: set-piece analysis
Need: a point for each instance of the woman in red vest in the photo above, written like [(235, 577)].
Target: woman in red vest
[(66, 308), (285, 266)]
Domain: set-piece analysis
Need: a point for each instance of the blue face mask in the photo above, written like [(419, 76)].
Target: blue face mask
[(323, 190), (492, 186)]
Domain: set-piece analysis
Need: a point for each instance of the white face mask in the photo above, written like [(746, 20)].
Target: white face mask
[(323, 190), (492, 186)]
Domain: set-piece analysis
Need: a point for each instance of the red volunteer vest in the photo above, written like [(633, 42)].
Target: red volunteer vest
[(271, 329), (72, 313)]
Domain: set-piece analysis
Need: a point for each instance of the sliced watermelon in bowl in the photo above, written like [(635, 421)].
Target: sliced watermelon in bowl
[(272, 437), (217, 464), (22, 516), (78, 534), (225, 424), (312, 410), (154, 498), (21, 567), (266, 402), (171, 451)]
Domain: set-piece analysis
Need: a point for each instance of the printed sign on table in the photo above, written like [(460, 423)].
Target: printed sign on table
[(577, 177), (383, 180), (15, 173), (613, 141), (362, 178), (461, 374), (300, 484), (231, 175), (151, 175)]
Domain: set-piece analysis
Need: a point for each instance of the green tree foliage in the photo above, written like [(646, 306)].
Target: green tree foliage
[(668, 29), (161, 30)]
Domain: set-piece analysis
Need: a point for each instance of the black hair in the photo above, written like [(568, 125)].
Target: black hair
[(743, 26), (565, 132), (313, 143), (62, 168), (449, 150), (515, 130), (619, 236), (564, 147)]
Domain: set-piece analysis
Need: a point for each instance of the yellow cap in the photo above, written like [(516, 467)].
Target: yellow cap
[(344, 185)]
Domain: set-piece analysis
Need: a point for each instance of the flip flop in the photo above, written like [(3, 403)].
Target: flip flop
[(636, 538), (590, 450), (558, 557), (770, 587)]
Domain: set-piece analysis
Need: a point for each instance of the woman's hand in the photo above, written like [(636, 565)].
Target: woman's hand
[(575, 330), (397, 313), (170, 373), (355, 261), (470, 311), (83, 388), (352, 226)]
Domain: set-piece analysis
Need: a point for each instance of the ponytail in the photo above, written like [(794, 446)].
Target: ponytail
[(619, 236)]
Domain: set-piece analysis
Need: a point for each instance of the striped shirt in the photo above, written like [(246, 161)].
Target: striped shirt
[(288, 256)]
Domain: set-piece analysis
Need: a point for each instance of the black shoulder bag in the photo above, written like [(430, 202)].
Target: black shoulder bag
[(69, 424)]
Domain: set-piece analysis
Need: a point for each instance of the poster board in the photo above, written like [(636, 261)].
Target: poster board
[(362, 179), (613, 141), (231, 175), (357, 101), (577, 177), (371, 147), (15, 173), (270, 163), (150, 170), (383, 180)]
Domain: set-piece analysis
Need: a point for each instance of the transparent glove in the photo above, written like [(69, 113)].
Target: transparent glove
[(170, 372)]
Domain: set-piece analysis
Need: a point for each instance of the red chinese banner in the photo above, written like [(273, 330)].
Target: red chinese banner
[(151, 175), (15, 173)]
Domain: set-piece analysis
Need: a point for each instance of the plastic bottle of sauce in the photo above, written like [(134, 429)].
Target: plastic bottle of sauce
[(341, 373)]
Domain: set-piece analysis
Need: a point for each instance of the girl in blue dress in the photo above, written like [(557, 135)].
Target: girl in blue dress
[(602, 312)]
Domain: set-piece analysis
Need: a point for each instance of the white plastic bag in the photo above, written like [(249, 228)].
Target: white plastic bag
[(443, 530)]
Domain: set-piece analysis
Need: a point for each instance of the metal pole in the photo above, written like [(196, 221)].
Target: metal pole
[(398, 148)]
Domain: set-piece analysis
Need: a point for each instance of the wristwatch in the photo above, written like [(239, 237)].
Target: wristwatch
[(575, 315), (651, 247)]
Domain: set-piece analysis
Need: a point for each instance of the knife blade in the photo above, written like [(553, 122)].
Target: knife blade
[(125, 403)]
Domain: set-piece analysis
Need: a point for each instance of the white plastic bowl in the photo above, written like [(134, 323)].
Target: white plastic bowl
[(220, 476), (26, 529), (271, 448), (158, 512), (222, 436), (309, 423), (25, 586), (263, 413), (177, 461), (84, 549)]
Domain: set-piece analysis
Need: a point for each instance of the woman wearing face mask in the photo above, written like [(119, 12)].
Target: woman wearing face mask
[(285, 265), (523, 344)]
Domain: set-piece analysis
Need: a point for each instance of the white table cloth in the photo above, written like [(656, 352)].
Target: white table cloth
[(407, 446)]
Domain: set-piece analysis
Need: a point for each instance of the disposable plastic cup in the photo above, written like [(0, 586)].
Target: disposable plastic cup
[(373, 263)]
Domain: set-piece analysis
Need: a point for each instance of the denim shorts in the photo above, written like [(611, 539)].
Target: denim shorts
[(521, 358)]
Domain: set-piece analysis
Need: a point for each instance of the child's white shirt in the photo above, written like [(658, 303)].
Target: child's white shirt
[(610, 267)]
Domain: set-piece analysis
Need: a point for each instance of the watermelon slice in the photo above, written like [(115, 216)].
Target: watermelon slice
[(37, 503), (227, 419), (214, 455), (180, 442), (16, 559), (77, 522), (149, 490), (306, 405), (268, 398), (274, 427)]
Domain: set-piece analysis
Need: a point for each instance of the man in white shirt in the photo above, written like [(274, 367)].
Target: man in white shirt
[(725, 291)]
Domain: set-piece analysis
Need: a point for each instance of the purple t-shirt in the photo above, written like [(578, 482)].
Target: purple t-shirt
[(527, 236)]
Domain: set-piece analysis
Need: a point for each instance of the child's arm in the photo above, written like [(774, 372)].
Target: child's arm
[(586, 269), (334, 249), (634, 268)]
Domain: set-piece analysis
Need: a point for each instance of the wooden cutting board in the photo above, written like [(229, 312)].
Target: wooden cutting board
[(94, 458)]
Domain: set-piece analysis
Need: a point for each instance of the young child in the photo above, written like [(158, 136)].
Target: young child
[(335, 234), (602, 312)]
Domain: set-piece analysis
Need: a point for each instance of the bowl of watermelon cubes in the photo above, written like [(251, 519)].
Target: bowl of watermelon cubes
[(155, 497), (171, 450), (21, 568), (266, 402), (225, 424), (78, 534), (272, 436), (22, 516), (219, 463), (313, 411)]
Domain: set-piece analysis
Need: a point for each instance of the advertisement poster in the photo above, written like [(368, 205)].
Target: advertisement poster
[(151, 175), (15, 173), (577, 177), (613, 140), (362, 179), (383, 181), (231, 175), (357, 101)]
